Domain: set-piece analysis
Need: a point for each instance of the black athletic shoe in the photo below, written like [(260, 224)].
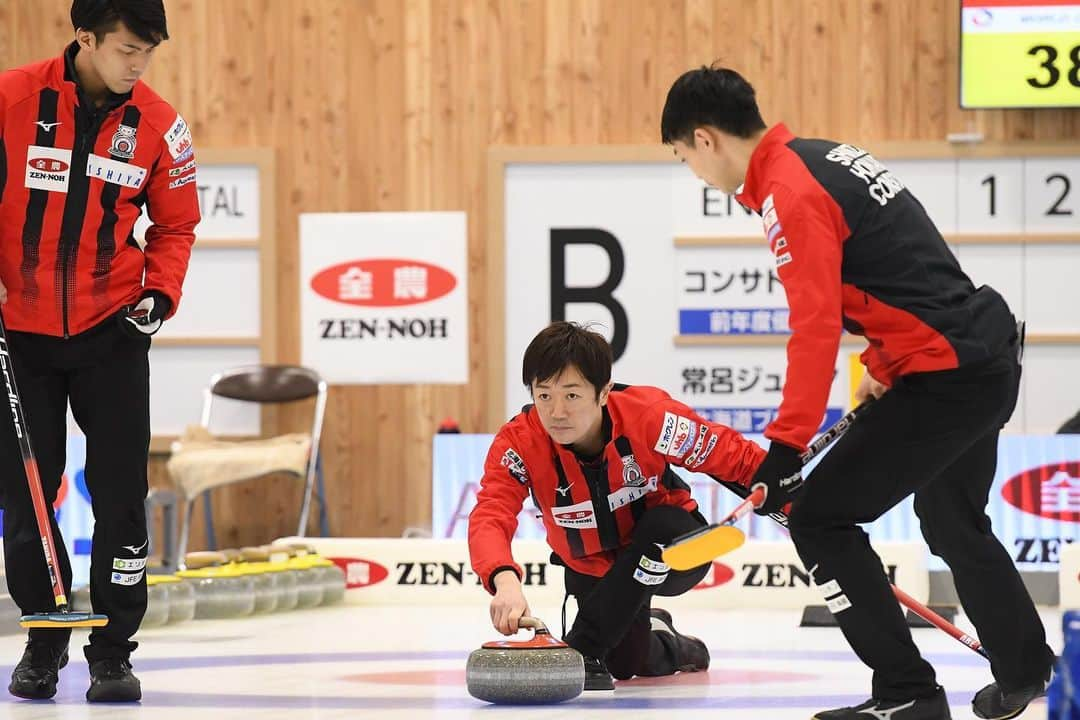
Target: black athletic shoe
[(691, 653), (597, 676), (111, 680), (935, 707), (34, 678), (992, 704)]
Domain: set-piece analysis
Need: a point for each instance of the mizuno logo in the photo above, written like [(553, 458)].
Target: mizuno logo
[(885, 714), (47, 127), (563, 491), (135, 550)]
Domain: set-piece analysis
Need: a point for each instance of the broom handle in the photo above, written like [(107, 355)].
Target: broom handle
[(939, 622), (33, 477)]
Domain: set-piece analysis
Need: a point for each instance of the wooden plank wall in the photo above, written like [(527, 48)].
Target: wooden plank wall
[(392, 104)]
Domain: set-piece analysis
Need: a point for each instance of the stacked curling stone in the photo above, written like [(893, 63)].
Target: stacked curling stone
[(269, 586), (325, 581), (309, 582), (157, 602), (181, 598), (168, 600), (222, 590), (285, 577), (333, 578)]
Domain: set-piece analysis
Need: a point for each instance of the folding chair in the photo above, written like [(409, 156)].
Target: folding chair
[(200, 463)]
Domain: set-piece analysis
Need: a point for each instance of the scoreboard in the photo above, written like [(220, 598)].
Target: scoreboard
[(1019, 53)]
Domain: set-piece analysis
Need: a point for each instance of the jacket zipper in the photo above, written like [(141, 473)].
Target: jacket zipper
[(79, 159)]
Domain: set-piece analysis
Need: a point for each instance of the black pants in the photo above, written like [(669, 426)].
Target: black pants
[(613, 611), (934, 434), (105, 376)]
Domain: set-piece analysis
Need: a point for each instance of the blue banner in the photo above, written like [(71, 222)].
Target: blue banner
[(1034, 503)]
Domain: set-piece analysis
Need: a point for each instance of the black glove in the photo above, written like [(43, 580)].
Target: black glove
[(144, 318), (780, 473)]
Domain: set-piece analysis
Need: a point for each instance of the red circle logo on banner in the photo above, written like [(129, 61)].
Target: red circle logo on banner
[(361, 573), (1051, 491), (383, 282), (718, 575)]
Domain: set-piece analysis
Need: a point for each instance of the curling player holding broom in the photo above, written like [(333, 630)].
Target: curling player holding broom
[(84, 146), (596, 459)]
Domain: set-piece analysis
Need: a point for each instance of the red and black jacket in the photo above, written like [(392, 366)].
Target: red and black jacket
[(589, 514), (855, 250), (73, 181)]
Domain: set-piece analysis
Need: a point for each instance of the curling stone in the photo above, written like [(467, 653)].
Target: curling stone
[(333, 581), (267, 586), (285, 577), (221, 591), (532, 672), (80, 599), (181, 598), (309, 582), (157, 602)]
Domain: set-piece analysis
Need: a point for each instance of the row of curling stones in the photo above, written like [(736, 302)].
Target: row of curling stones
[(169, 600), (538, 671), (236, 583)]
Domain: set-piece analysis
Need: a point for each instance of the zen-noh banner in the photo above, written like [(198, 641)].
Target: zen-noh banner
[(383, 297)]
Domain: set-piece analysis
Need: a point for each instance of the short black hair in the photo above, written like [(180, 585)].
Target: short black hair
[(562, 344), (716, 96), (144, 18)]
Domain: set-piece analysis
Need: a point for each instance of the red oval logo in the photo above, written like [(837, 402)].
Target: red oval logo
[(1051, 491), (383, 282), (361, 573), (717, 575), (49, 165)]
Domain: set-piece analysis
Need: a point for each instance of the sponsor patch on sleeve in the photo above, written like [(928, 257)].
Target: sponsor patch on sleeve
[(685, 432), (182, 181), (667, 432), (515, 465), (700, 459), (178, 138), (178, 171)]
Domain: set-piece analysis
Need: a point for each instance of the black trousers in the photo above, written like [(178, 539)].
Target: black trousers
[(105, 375), (934, 435), (613, 620)]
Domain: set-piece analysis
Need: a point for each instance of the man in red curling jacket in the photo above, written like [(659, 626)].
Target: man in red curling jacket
[(596, 458), (855, 250), (85, 145)]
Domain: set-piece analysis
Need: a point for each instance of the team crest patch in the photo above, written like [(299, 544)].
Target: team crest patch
[(631, 472), (123, 142)]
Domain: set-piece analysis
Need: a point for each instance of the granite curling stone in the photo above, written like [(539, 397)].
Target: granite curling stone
[(157, 602), (539, 671), (181, 599), (221, 591)]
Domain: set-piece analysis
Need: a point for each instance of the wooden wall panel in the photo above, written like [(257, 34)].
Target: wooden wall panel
[(391, 105)]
